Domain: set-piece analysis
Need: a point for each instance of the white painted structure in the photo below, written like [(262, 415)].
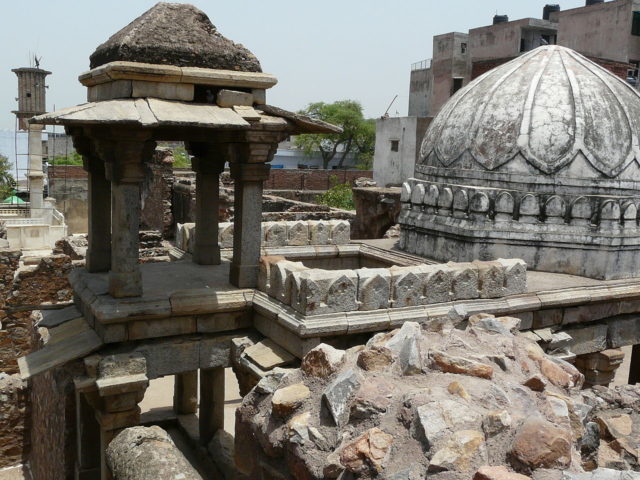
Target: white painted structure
[(33, 229), (397, 143)]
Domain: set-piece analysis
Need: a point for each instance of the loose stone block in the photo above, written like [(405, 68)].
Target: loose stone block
[(319, 232), (337, 395), (275, 234), (464, 280), (340, 232), (267, 354), (259, 96), (264, 271), (374, 288), (298, 233), (324, 291), (225, 235), (288, 399), (231, 98)]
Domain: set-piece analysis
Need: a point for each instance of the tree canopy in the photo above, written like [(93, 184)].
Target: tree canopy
[(357, 137), (7, 181)]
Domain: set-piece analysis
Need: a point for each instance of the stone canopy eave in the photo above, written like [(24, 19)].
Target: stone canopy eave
[(156, 113)]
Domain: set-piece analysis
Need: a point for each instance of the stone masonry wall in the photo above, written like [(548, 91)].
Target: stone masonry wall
[(13, 405), (34, 285), (52, 429), (156, 195), (292, 179)]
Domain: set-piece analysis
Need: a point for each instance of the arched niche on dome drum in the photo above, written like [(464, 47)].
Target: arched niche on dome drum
[(405, 193), (529, 209), (504, 206), (445, 201), (431, 198), (610, 215), (417, 195), (479, 206), (581, 211), (460, 203), (555, 210), (630, 215)]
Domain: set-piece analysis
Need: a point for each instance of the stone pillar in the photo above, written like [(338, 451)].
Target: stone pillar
[(36, 175), (247, 223), (125, 279), (99, 215), (211, 415), (129, 151), (185, 393), (208, 169)]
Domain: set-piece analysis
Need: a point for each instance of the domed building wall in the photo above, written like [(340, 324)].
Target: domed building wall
[(537, 159)]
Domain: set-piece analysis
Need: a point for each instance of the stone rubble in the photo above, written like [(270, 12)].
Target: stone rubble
[(485, 403)]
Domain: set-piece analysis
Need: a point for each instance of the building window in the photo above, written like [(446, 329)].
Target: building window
[(635, 27), (457, 85), (395, 145), (463, 48), (523, 45)]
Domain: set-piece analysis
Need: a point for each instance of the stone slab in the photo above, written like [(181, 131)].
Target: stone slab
[(267, 354)]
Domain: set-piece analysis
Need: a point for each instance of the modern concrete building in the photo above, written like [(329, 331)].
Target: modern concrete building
[(608, 33), (397, 147)]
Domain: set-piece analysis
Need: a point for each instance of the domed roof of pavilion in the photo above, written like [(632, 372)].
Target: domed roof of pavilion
[(548, 107), (175, 34)]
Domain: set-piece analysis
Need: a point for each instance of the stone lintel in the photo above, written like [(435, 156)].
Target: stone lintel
[(122, 70)]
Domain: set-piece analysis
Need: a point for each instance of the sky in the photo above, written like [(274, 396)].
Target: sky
[(319, 50)]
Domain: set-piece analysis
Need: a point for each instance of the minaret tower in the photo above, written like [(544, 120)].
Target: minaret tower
[(31, 102)]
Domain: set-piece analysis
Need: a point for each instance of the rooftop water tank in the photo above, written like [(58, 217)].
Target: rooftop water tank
[(548, 9), (500, 19)]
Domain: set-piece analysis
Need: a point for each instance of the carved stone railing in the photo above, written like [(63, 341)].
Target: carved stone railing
[(277, 234), (312, 291), (500, 206)]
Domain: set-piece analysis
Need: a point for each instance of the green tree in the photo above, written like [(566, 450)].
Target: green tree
[(340, 195), (357, 137), (7, 182)]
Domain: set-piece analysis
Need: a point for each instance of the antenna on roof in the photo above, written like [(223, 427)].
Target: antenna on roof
[(36, 60), (386, 113)]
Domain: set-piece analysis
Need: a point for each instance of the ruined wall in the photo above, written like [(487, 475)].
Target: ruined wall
[(68, 185), (377, 210), (156, 194), (34, 285), (52, 425), (292, 179), (13, 404)]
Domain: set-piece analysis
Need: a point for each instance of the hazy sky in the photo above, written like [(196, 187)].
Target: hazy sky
[(320, 50)]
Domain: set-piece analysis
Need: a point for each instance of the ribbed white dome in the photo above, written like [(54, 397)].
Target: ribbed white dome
[(549, 106)]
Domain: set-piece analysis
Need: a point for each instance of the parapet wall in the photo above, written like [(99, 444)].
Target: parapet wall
[(311, 291), (594, 236), (276, 234), (504, 206)]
